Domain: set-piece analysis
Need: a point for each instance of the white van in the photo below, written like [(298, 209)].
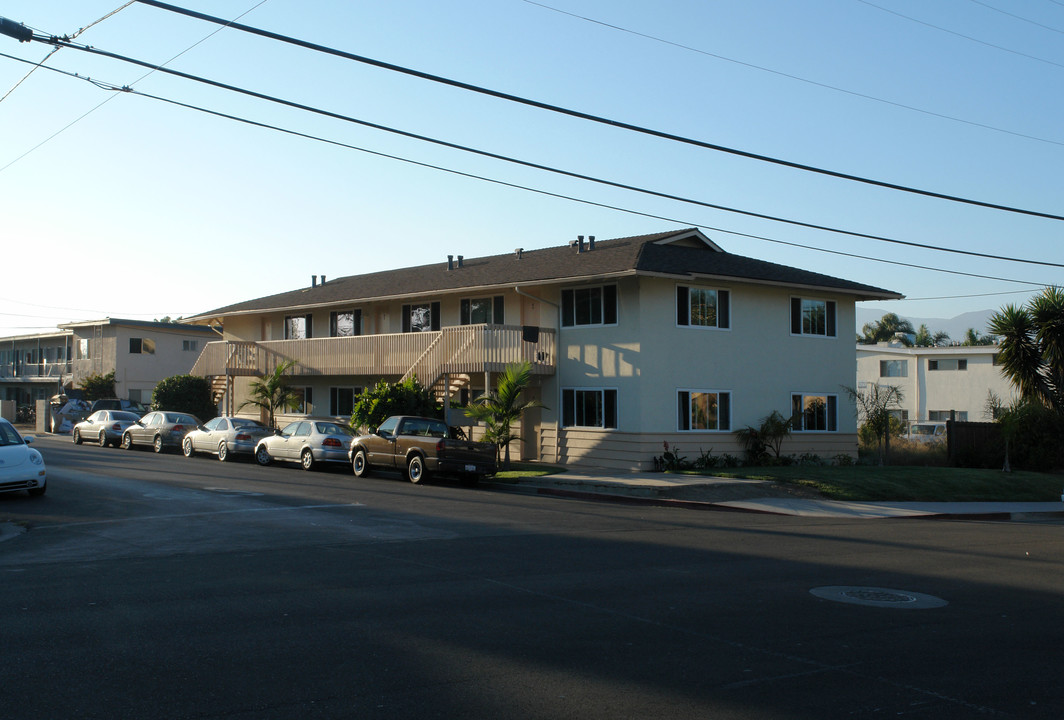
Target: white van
[(927, 432)]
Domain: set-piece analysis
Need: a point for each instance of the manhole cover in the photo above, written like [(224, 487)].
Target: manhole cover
[(879, 597)]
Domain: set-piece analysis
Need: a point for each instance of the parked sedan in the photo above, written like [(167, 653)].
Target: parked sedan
[(307, 442), (104, 426), (225, 437), (159, 429), (21, 467)]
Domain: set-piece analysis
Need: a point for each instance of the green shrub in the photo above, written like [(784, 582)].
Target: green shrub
[(185, 393)]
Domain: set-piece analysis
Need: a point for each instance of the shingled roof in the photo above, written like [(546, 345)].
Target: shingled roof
[(680, 254)]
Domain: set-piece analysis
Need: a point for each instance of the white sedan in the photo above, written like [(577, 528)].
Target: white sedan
[(21, 467)]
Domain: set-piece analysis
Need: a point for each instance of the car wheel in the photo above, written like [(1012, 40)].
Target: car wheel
[(262, 455), (76, 436), (102, 440), (157, 444), (415, 470), (223, 451), (359, 464), (127, 441), (186, 447), (37, 492), (306, 459)]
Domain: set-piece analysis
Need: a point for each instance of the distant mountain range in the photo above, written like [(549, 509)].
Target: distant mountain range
[(956, 326)]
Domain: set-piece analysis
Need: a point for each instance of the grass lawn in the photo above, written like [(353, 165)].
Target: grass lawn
[(927, 484), (525, 470)]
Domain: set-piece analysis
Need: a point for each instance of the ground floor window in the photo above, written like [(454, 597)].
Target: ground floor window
[(305, 396), (589, 407), (342, 400), (704, 410), (812, 413)]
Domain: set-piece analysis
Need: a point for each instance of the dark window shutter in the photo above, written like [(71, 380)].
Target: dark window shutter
[(498, 314), (833, 413), (310, 326), (609, 408), (683, 307), (406, 318), (723, 309), (831, 318), (796, 412), (568, 310), (685, 411), (568, 408), (796, 316), (435, 319), (464, 313), (358, 322), (724, 411), (609, 305)]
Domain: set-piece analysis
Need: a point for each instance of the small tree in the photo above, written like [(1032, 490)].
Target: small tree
[(273, 393), (770, 433), (873, 407), (185, 393), (1032, 347), (499, 409), (385, 399), (97, 386)]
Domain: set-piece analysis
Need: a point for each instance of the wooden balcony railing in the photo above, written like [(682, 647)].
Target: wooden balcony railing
[(461, 349)]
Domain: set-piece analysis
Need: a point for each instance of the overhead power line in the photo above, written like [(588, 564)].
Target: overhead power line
[(683, 223), (587, 116), (505, 158)]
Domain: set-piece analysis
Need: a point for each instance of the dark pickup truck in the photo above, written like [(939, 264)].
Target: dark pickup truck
[(421, 446)]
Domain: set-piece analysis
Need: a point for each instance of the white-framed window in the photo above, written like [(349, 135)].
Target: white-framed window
[(421, 317), (703, 307), (703, 410), (305, 397), (589, 407), (810, 316), (189, 345), (589, 306), (342, 400), (482, 311), (814, 412), (345, 323), (893, 368), (298, 327), (141, 346)]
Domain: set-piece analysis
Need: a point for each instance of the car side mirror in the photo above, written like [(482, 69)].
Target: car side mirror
[(28, 439)]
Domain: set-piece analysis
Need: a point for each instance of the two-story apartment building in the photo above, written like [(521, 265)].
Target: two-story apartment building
[(34, 367), (141, 353), (633, 342), (935, 381)]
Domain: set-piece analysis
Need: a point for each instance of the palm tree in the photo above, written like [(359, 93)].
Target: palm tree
[(1032, 347), (888, 327), (973, 338), (499, 409), (925, 338), (272, 392)]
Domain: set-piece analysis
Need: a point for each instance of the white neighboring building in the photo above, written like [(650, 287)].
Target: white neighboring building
[(936, 380)]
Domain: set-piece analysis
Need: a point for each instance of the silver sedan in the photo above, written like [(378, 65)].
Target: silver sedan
[(104, 427), (307, 442), (225, 437)]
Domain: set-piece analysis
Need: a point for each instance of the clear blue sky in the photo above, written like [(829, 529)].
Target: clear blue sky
[(141, 209)]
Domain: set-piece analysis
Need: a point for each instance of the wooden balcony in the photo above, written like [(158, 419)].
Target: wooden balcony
[(460, 349)]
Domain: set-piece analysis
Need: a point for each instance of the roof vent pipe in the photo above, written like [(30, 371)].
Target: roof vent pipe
[(450, 262), (314, 281), (518, 251), (580, 243), (460, 261), (590, 247), (322, 279)]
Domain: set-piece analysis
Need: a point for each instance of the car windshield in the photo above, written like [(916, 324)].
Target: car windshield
[(9, 435), (923, 430), (326, 428)]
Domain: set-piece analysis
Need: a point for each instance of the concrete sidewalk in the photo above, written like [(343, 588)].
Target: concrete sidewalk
[(759, 496)]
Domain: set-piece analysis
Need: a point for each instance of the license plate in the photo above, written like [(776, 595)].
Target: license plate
[(471, 468)]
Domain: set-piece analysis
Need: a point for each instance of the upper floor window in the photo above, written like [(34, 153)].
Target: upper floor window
[(478, 311), (142, 346), (893, 368), (345, 323), (190, 345), (83, 348), (704, 410), (703, 307), (589, 407), (948, 364), (812, 317), (298, 327), (815, 412), (421, 317), (589, 306)]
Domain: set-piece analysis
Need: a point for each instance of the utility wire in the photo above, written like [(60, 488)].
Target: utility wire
[(789, 76), (526, 163), (587, 116), (1018, 17), (682, 223)]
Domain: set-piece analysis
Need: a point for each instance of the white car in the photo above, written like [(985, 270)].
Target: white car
[(21, 467), (928, 432), (307, 442)]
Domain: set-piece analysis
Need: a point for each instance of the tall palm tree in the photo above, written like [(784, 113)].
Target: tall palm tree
[(1032, 347), (273, 393), (499, 409), (888, 327)]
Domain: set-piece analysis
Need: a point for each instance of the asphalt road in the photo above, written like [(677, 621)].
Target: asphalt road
[(149, 586)]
